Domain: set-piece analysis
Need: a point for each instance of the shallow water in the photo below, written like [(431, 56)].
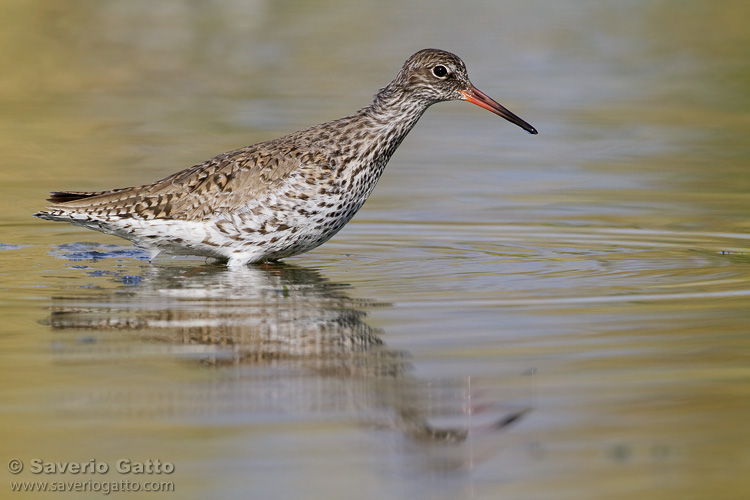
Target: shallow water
[(563, 315)]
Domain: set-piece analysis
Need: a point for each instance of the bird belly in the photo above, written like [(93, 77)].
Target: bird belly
[(282, 227)]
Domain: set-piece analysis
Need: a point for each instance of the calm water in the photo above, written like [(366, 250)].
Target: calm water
[(510, 316)]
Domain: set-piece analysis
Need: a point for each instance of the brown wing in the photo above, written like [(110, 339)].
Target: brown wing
[(220, 184)]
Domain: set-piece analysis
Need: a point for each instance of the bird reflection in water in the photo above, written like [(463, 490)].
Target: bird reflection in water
[(301, 345)]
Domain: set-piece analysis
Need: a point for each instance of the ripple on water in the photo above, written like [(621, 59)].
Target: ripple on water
[(535, 265), (512, 265)]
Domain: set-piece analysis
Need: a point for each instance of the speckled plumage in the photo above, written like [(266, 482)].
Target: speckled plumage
[(282, 197)]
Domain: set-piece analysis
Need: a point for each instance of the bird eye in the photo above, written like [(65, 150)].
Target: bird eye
[(439, 71)]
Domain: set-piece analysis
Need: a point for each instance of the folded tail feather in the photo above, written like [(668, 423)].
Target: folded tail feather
[(66, 196)]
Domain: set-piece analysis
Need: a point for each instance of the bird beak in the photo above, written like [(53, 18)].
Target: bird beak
[(476, 96)]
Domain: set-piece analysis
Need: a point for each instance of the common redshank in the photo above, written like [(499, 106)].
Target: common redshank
[(281, 197)]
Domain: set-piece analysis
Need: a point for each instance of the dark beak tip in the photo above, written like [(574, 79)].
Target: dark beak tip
[(476, 96)]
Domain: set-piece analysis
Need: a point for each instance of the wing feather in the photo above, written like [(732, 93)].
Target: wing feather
[(223, 183)]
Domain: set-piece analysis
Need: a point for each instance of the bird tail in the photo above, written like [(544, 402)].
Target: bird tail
[(60, 215), (68, 196), (63, 207)]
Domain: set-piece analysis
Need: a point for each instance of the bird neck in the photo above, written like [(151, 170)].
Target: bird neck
[(394, 106), (387, 121)]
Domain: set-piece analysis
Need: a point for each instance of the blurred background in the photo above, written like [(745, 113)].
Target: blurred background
[(508, 316)]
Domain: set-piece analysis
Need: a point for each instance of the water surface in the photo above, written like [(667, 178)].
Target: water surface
[(562, 315)]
